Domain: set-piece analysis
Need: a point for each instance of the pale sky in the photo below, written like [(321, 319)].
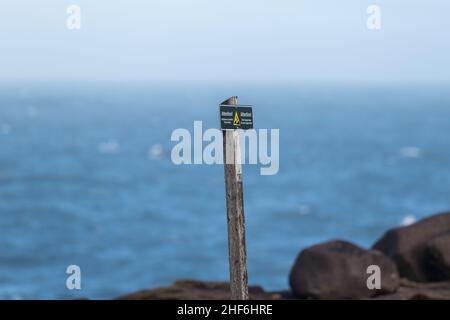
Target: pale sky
[(218, 40)]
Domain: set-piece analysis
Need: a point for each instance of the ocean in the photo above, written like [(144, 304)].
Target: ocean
[(86, 179)]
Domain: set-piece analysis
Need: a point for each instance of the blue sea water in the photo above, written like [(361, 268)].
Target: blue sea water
[(86, 178)]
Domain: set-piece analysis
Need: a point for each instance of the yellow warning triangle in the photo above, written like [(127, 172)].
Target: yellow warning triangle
[(236, 121)]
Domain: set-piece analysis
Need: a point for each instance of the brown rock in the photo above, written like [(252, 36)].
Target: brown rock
[(338, 270), (410, 290), (407, 245), (198, 290), (437, 258)]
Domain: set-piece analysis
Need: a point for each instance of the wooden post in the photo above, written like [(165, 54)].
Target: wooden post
[(235, 211)]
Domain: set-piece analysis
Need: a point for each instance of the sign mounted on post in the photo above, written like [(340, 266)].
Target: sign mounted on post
[(236, 117), (233, 116)]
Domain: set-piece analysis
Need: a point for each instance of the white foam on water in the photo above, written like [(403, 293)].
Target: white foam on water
[(410, 152), (110, 146), (304, 210), (156, 151), (408, 220)]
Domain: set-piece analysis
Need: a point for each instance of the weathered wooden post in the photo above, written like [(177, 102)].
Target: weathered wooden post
[(231, 120)]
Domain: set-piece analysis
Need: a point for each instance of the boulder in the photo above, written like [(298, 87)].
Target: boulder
[(410, 290), (407, 246), (199, 290), (437, 258), (338, 270)]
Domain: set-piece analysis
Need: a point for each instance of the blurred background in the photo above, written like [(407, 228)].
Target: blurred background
[(86, 117)]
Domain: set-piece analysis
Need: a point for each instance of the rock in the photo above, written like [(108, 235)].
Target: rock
[(188, 289), (437, 258), (407, 245), (410, 290), (198, 290), (338, 270)]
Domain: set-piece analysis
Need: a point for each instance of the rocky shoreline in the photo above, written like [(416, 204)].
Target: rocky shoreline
[(413, 262)]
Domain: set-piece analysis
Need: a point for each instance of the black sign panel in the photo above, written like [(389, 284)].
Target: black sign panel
[(236, 117)]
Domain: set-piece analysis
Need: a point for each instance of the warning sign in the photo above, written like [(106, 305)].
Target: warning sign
[(236, 117), (236, 121)]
